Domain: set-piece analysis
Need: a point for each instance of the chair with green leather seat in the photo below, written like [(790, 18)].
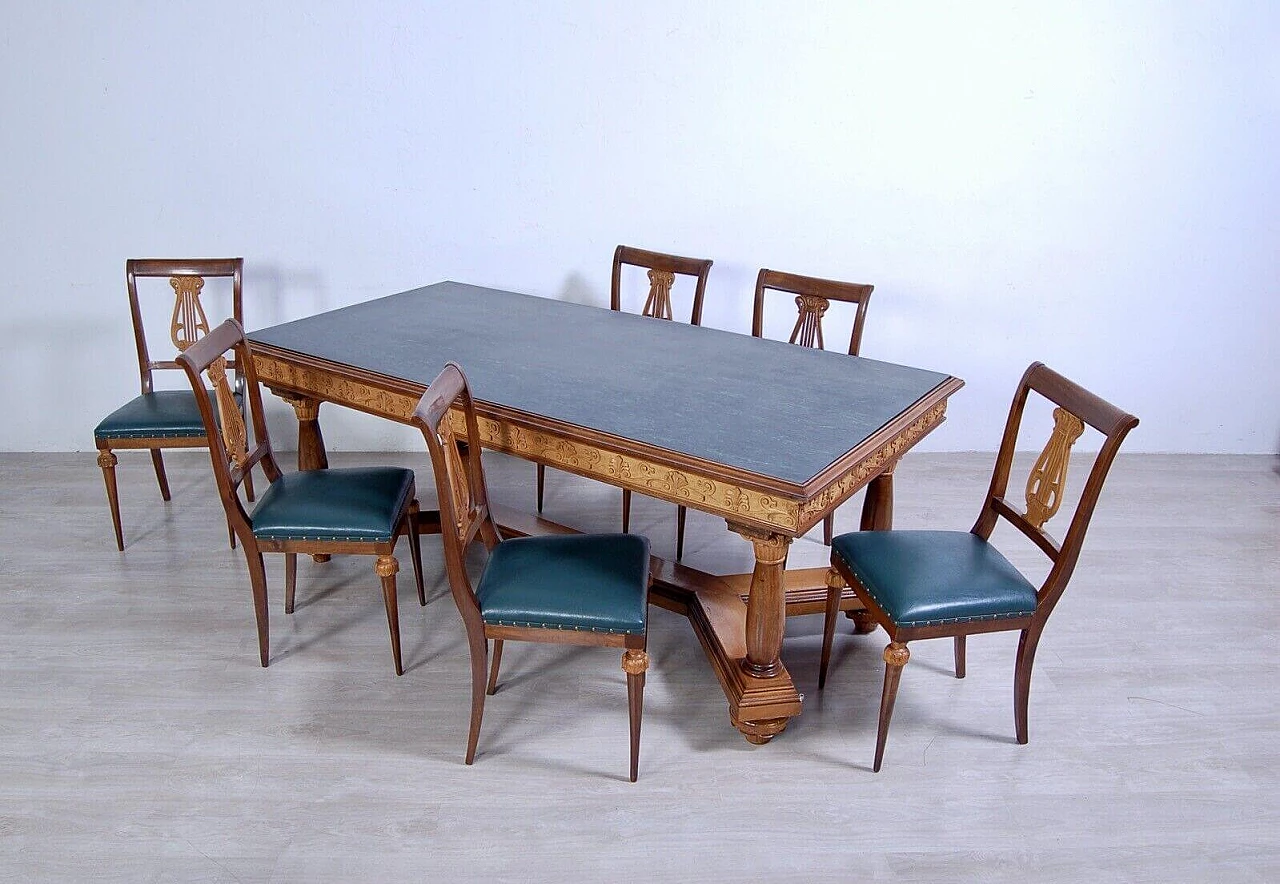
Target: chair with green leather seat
[(358, 510), (581, 589), (932, 584), (159, 419), (662, 272)]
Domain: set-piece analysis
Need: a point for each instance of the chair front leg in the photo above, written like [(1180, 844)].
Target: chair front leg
[(896, 656), (386, 568), (835, 589), (107, 460), (960, 656), (157, 461), (635, 663)]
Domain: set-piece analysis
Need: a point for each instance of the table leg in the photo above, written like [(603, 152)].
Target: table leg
[(311, 453), (767, 603), (877, 506)]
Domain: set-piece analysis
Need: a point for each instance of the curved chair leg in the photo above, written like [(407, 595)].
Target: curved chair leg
[(290, 580), (828, 528), (493, 667), (1022, 679), (386, 569), (634, 664), (107, 460), (835, 588), (415, 550), (542, 481), (680, 514), (626, 510), (248, 486), (258, 581), (479, 653), (960, 656), (157, 461), (896, 656)]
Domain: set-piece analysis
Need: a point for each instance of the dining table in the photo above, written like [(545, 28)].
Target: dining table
[(767, 435)]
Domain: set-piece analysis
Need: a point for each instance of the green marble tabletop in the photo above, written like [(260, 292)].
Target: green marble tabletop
[(768, 407)]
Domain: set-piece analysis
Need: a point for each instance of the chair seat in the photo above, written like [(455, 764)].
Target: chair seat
[(930, 578), (169, 414), (587, 582), (360, 504)]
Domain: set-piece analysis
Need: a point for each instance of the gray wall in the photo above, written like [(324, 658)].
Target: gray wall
[(1093, 185)]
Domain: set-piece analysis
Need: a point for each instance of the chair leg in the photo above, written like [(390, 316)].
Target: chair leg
[(626, 510), (231, 533), (493, 667), (1022, 679), (258, 581), (634, 664), (542, 481), (479, 653), (835, 589), (680, 514), (415, 549), (107, 460), (960, 656), (896, 656), (290, 580), (157, 461), (386, 569), (828, 528), (248, 486)]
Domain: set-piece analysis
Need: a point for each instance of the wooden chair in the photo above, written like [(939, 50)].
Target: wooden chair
[(931, 584), (580, 589), (360, 510), (813, 298), (157, 420), (663, 270)]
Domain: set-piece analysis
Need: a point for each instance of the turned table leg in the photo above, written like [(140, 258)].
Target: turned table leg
[(311, 453)]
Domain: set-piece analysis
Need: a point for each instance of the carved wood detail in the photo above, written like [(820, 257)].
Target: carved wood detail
[(234, 435), (896, 654), (808, 329), (635, 662), (1049, 475), (658, 304), (188, 323), (880, 462)]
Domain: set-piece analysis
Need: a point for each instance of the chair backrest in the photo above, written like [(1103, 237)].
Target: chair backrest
[(813, 297), (188, 322), (1076, 409), (663, 270), (228, 437), (461, 490)]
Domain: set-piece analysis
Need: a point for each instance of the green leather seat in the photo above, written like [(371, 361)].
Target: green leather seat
[(586, 582), (169, 414), (359, 504), (926, 578)]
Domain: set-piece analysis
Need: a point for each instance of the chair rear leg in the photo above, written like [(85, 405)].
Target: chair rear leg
[(960, 656), (386, 569), (835, 589), (681, 512), (258, 581), (493, 667), (896, 656), (479, 653), (415, 549), (626, 510), (157, 461), (635, 663), (107, 460), (290, 580), (1022, 679), (542, 482), (248, 486)]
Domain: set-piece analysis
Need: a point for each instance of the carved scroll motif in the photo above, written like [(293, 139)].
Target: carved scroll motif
[(808, 330), (1049, 475), (233, 430), (658, 304), (189, 323)]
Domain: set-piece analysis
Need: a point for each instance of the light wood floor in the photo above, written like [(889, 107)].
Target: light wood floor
[(141, 741)]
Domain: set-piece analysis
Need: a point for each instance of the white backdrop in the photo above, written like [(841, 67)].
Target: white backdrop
[(1095, 185)]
